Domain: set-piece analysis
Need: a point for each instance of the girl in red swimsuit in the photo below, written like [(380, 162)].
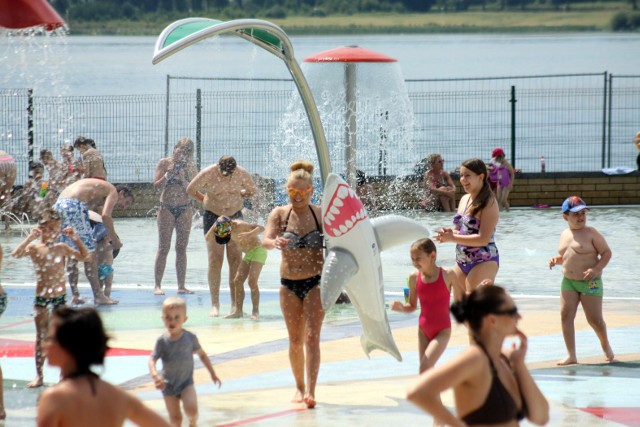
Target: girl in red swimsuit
[(432, 286)]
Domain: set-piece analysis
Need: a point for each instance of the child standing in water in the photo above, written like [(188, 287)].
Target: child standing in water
[(432, 286), (48, 258), (502, 176), (584, 253), (175, 348), (246, 237)]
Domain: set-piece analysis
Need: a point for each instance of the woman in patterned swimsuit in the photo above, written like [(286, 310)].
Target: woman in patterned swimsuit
[(477, 256), (172, 176)]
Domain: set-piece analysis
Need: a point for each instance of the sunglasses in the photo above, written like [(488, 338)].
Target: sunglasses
[(511, 312), (292, 191)]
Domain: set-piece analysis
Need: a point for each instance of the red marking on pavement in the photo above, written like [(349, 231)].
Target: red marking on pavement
[(24, 322), (626, 416), (261, 418), (16, 348)]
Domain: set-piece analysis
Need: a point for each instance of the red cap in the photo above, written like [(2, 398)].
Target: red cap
[(497, 152)]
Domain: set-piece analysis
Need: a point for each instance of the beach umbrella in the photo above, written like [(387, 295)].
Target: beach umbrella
[(17, 14)]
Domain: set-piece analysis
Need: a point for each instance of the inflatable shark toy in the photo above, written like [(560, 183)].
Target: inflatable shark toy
[(354, 243)]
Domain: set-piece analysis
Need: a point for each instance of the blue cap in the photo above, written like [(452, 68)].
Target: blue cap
[(573, 204)]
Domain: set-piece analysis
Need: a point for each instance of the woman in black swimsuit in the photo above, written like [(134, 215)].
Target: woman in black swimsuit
[(491, 386), (296, 229), (171, 178)]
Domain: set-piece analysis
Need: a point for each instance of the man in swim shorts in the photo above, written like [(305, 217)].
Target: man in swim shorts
[(222, 188), (74, 204)]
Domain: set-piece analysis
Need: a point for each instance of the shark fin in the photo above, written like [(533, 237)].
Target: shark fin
[(339, 267), (369, 346), (393, 230)]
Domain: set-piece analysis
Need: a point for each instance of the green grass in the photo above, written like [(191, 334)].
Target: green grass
[(582, 17)]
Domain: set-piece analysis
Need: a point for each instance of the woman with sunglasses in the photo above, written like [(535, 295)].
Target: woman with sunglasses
[(296, 230), (440, 191), (491, 386)]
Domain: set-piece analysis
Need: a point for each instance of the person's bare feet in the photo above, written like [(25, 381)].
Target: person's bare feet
[(37, 382), (158, 291), (255, 315), (608, 354), (310, 401), (184, 291), (567, 361), (104, 301), (215, 312), (77, 300), (298, 397), (3, 413), (236, 314)]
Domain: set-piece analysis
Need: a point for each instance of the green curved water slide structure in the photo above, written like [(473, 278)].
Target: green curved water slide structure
[(270, 37)]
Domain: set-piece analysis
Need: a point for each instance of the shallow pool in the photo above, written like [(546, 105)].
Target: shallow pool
[(526, 239)]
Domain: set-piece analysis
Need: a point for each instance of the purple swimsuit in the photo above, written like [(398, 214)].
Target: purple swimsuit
[(468, 257)]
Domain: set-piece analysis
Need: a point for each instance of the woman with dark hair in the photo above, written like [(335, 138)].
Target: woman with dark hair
[(491, 386), (172, 177), (477, 258), (76, 340)]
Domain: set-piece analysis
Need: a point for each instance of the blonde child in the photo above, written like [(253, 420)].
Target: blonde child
[(432, 286), (48, 258), (175, 348), (584, 253), (245, 235)]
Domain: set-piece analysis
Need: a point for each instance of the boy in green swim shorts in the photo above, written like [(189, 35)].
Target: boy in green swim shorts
[(245, 235), (583, 254)]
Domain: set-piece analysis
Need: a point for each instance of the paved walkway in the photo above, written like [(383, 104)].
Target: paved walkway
[(251, 359)]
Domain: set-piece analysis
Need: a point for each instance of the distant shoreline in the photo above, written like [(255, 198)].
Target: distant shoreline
[(578, 19)]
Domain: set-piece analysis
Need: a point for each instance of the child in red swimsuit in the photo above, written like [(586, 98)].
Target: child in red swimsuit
[(432, 286)]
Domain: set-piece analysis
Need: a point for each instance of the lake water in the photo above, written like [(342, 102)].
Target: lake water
[(102, 65), (526, 239)]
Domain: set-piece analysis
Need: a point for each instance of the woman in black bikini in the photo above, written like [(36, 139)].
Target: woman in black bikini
[(172, 176), (76, 340), (491, 386), (296, 229)]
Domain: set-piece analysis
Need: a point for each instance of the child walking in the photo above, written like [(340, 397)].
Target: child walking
[(584, 253), (175, 348), (48, 259), (246, 237), (502, 176), (432, 286)]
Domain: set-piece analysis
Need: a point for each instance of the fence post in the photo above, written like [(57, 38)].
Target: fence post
[(610, 119), (166, 119), (30, 127), (604, 120), (513, 101), (199, 128)]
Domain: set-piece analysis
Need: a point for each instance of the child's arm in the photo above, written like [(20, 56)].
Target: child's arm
[(23, 248), (411, 306), (158, 381), (255, 230), (604, 252), (207, 363), (454, 284)]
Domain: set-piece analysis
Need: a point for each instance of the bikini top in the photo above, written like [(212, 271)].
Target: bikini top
[(499, 407), (312, 240)]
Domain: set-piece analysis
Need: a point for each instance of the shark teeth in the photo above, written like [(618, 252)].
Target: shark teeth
[(345, 210)]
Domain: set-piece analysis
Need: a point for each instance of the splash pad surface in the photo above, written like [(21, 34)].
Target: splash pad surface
[(251, 357)]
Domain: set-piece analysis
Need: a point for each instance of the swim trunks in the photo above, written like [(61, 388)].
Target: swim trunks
[(3, 303), (301, 287), (586, 287), (434, 305), (54, 302), (209, 218), (75, 214), (257, 254)]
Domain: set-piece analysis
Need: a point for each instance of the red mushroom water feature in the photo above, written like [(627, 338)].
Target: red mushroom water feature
[(18, 14)]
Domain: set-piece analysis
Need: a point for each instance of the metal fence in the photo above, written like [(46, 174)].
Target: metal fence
[(579, 122)]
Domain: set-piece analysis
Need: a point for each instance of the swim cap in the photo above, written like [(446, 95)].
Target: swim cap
[(222, 230)]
